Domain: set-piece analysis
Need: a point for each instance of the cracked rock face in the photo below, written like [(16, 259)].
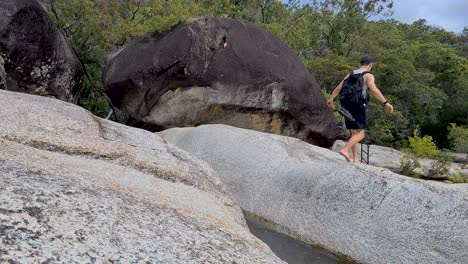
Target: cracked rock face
[(38, 58), (78, 189), (365, 212), (209, 71)]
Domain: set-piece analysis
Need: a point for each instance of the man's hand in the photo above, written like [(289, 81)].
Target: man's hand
[(329, 102), (389, 107)]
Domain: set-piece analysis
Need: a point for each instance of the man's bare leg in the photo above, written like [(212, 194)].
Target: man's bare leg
[(356, 137), (355, 149), (355, 155)]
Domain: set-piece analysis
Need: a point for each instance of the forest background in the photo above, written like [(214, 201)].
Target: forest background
[(422, 69)]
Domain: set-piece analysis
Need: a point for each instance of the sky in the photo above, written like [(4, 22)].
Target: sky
[(452, 15)]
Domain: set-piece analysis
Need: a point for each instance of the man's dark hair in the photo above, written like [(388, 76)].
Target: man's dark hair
[(366, 60)]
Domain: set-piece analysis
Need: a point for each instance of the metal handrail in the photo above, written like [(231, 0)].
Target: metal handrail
[(365, 153)]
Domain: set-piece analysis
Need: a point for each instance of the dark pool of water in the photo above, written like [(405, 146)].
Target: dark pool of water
[(289, 249)]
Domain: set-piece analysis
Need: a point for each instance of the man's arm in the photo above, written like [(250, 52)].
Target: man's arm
[(335, 92), (370, 81)]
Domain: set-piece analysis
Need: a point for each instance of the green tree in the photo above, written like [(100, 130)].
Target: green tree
[(458, 136), (342, 21), (95, 27), (421, 69)]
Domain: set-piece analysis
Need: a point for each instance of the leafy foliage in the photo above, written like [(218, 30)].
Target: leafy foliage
[(95, 27), (421, 69), (459, 138), (422, 146), (440, 166)]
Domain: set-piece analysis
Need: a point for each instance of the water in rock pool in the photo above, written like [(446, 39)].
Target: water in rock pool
[(289, 249)]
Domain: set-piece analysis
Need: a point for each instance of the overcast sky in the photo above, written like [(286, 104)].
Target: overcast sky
[(452, 15)]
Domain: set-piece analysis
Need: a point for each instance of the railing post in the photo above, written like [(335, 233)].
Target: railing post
[(365, 153)]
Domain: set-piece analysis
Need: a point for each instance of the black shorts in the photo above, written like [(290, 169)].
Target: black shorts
[(359, 114)]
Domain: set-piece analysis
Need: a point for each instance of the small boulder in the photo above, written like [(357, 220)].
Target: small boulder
[(459, 157)]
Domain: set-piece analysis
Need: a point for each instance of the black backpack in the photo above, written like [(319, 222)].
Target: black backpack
[(351, 94)]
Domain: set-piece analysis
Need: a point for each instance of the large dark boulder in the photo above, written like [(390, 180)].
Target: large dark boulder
[(209, 71), (38, 58)]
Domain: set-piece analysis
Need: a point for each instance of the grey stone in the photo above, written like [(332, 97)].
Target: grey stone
[(2, 74), (459, 157), (367, 213), (49, 125), (78, 189), (38, 58), (210, 71)]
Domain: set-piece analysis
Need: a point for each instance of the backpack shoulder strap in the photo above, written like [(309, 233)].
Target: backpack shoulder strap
[(347, 77)]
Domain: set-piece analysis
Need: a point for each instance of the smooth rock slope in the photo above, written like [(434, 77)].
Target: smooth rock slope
[(367, 213), (219, 71), (76, 188)]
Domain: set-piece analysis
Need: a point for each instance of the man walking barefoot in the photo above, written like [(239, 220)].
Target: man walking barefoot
[(358, 110)]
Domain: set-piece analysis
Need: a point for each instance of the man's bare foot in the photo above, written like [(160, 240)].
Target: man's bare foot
[(356, 161), (345, 155)]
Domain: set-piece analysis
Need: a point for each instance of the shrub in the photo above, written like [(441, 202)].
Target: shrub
[(422, 147), (98, 106), (408, 163), (440, 166), (458, 136), (457, 179), (380, 132), (335, 105)]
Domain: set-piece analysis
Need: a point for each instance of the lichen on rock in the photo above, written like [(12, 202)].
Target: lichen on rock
[(38, 58)]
